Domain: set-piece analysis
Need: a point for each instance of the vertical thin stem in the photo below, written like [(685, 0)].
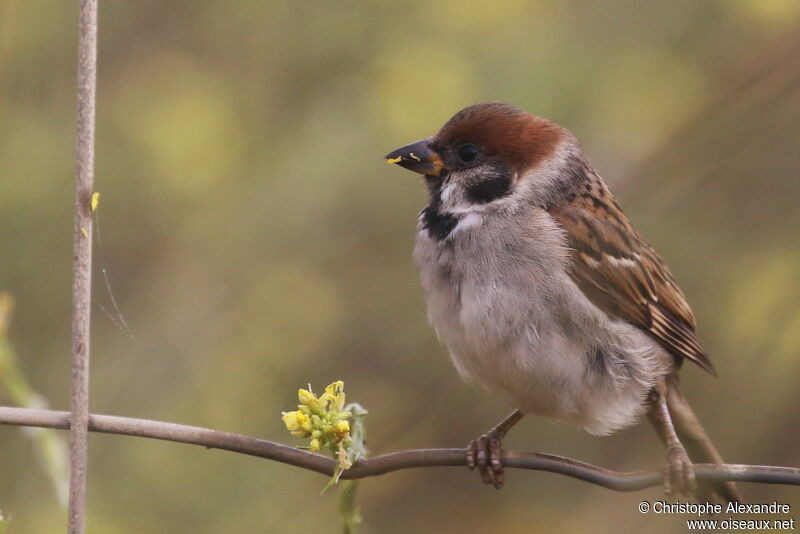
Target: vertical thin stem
[(82, 274)]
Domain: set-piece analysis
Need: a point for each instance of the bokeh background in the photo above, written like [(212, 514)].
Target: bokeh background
[(255, 241)]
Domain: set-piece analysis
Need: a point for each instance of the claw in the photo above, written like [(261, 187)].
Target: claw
[(484, 453)]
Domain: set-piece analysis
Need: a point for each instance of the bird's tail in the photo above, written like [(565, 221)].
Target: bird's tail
[(698, 445)]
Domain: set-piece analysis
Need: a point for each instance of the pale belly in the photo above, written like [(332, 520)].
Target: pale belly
[(519, 327)]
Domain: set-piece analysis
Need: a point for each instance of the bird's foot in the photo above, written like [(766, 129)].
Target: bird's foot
[(679, 476), (484, 453)]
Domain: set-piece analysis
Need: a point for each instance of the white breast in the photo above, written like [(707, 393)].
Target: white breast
[(501, 300)]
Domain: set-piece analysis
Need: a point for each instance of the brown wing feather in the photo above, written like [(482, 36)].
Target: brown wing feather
[(625, 277)]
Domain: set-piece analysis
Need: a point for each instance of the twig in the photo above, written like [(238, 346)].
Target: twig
[(82, 274), (386, 463)]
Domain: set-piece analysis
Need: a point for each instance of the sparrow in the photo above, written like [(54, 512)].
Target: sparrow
[(545, 295)]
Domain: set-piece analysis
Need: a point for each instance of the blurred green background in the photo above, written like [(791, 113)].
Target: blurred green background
[(255, 241)]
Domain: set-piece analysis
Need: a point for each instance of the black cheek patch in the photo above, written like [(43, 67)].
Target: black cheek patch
[(489, 188)]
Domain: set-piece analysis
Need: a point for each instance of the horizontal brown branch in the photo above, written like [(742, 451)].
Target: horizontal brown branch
[(385, 463)]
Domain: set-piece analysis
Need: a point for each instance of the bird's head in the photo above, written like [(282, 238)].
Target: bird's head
[(484, 154)]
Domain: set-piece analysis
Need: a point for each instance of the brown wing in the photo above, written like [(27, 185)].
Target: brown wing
[(624, 276)]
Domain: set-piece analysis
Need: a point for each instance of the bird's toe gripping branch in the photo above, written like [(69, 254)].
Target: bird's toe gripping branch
[(484, 453)]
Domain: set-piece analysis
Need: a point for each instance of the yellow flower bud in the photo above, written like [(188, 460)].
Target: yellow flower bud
[(314, 445), (304, 421), (297, 423), (290, 420), (342, 426), (309, 399)]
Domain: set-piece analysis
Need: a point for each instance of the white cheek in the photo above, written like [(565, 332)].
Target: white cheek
[(453, 200), (470, 220), (448, 191)]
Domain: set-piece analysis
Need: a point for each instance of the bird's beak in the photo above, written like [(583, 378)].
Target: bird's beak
[(417, 157)]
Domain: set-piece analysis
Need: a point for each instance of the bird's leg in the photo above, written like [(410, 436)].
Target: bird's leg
[(484, 452), (679, 472)]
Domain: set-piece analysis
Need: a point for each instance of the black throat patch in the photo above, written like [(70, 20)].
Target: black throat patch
[(437, 223)]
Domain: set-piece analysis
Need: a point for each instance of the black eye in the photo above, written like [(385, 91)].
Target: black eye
[(468, 153)]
